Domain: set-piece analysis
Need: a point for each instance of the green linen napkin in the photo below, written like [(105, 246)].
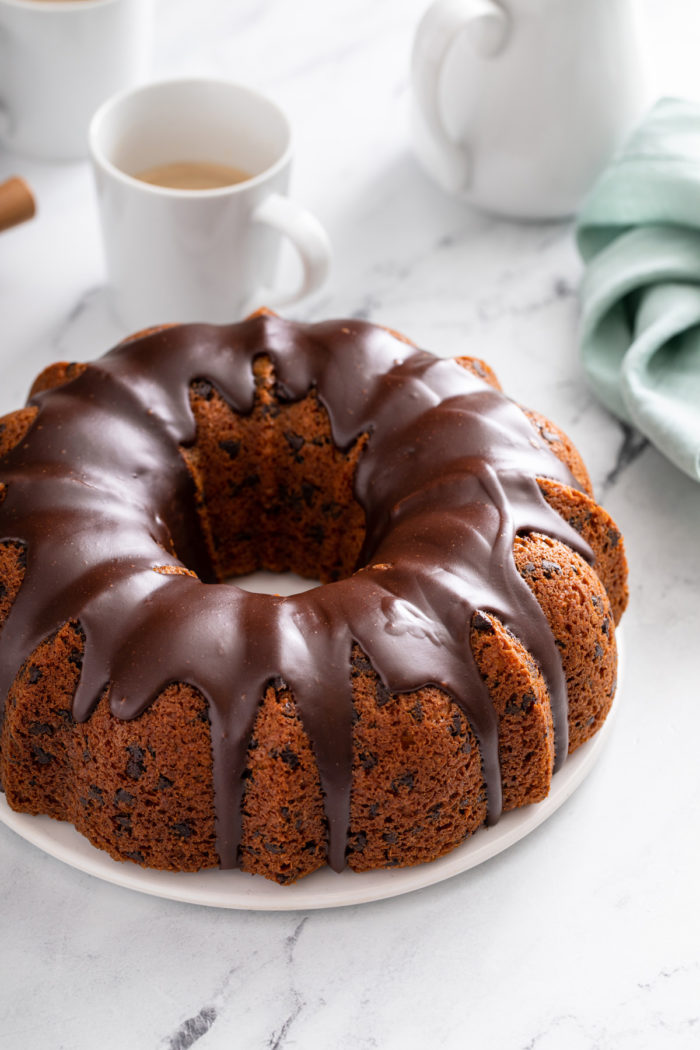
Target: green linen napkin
[(639, 234)]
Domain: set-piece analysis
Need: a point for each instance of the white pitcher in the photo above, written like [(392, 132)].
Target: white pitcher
[(518, 104)]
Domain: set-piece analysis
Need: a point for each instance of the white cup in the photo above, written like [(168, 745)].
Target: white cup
[(199, 255), (518, 104), (59, 59)]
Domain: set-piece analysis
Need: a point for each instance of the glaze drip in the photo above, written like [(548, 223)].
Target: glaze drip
[(100, 495)]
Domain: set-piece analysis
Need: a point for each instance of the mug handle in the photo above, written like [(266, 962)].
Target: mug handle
[(308, 237), (488, 25)]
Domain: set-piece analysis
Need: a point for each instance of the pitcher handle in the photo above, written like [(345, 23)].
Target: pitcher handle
[(488, 25)]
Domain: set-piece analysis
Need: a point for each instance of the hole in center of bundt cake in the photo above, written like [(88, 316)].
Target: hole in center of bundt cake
[(281, 583), (274, 491)]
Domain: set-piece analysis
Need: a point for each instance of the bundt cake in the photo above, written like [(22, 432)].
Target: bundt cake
[(461, 644)]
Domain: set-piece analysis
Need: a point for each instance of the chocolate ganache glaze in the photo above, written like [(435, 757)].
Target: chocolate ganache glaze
[(99, 494)]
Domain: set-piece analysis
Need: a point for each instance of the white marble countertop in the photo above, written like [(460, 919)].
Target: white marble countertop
[(587, 933)]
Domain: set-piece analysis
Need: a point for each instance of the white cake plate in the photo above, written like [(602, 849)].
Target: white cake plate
[(325, 888)]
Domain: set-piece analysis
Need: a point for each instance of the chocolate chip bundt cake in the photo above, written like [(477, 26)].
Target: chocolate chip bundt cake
[(461, 644)]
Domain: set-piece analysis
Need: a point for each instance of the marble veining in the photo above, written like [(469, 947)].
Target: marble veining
[(587, 933)]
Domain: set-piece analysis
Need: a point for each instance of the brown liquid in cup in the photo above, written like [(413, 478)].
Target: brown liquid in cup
[(192, 175)]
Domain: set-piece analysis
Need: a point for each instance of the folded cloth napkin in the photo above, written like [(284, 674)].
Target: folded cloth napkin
[(639, 233)]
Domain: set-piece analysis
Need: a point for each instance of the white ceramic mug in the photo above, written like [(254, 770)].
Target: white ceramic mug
[(518, 104), (59, 59), (199, 255)]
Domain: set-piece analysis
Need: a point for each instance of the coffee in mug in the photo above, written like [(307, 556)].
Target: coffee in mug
[(193, 175)]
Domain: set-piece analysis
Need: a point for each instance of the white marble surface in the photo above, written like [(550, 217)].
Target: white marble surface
[(586, 934)]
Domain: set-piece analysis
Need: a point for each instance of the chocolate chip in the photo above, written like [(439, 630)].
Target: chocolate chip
[(35, 673), (373, 809), (135, 767), (75, 657), (383, 694), (391, 837), (358, 843), (137, 856), (520, 705), (406, 780), (123, 798), (203, 388), (613, 537), (289, 757), (367, 760), (481, 622), (40, 729), (550, 568), (163, 783), (42, 757), (295, 441), (270, 410), (123, 822), (249, 482), (360, 664), (183, 829), (417, 711), (598, 651), (95, 793), (231, 447), (274, 847)]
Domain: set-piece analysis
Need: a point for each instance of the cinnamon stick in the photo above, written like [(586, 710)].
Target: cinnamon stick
[(16, 203)]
